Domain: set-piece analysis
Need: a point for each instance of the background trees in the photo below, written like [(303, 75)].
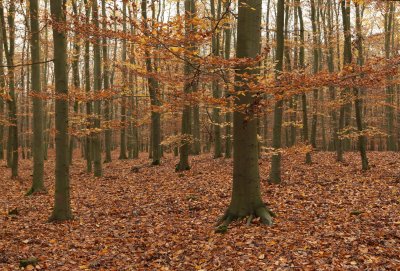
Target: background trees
[(145, 77)]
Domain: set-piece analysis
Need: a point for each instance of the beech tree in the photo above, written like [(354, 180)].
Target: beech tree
[(38, 155), (275, 174), (9, 49), (246, 198), (62, 205)]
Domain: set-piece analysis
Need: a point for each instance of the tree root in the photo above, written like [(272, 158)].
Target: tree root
[(55, 218), (262, 212), (179, 167), (38, 190), (156, 163)]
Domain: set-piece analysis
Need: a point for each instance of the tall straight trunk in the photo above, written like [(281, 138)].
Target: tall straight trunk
[(122, 150), (329, 43), (106, 80), (266, 123), (246, 198), (2, 92), (345, 6), (196, 147), (302, 66), (313, 137), (96, 88), (190, 13), (154, 99), (358, 102), (88, 147), (391, 142), (75, 79), (133, 129), (38, 157), (228, 116), (62, 207), (215, 84), (291, 136), (9, 48), (44, 84), (275, 174)]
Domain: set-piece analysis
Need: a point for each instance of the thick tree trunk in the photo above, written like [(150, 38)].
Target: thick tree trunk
[(246, 197), (62, 208)]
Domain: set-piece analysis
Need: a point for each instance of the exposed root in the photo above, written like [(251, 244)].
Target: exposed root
[(60, 217), (264, 215), (262, 212), (179, 167), (34, 191), (249, 219), (156, 163)]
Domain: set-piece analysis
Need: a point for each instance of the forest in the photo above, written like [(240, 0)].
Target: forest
[(199, 135)]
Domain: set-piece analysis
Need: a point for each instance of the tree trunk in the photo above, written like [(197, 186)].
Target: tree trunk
[(97, 103), (155, 102), (275, 174), (106, 80), (358, 101), (38, 157), (2, 93), (62, 208), (9, 48), (246, 197), (89, 157), (190, 12)]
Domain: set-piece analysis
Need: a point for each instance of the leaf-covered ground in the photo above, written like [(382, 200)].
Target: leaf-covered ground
[(330, 216)]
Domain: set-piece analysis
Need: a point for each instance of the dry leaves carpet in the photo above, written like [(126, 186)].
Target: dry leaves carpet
[(330, 216)]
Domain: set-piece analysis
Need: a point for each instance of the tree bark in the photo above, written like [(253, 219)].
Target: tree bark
[(275, 174), (38, 155), (246, 197), (62, 208)]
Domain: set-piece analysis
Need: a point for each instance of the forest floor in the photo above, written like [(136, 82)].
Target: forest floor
[(330, 216)]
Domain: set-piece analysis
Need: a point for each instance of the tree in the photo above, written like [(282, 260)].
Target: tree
[(62, 206), (154, 99), (9, 49), (75, 77), (38, 155), (122, 150), (216, 90), (106, 79), (190, 12), (388, 25), (88, 147), (246, 197), (275, 174), (356, 91), (303, 95), (2, 89), (228, 116), (98, 172)]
